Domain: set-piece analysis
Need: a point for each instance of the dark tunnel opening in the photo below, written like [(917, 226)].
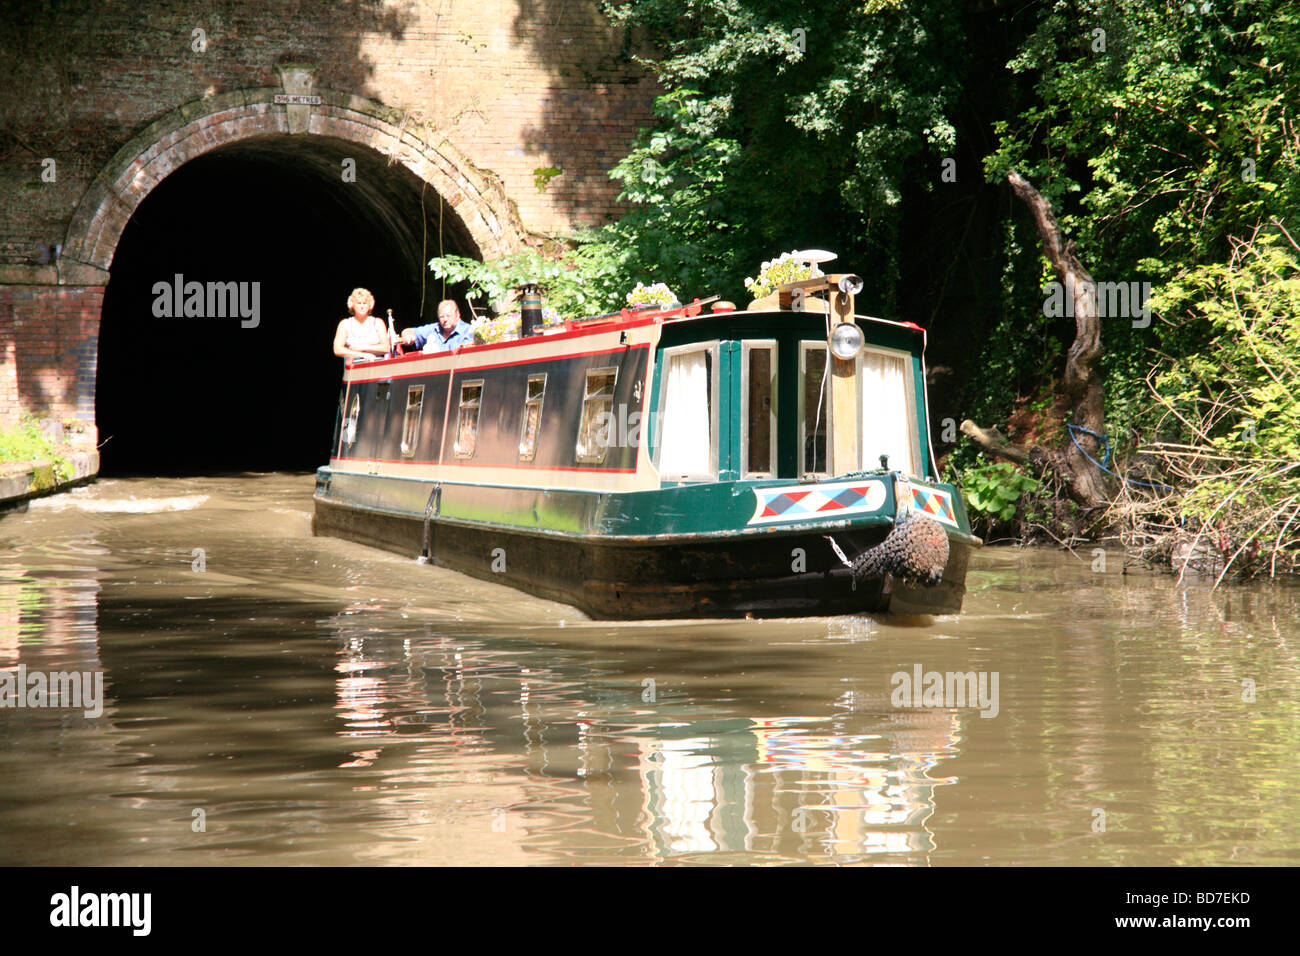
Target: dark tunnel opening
[(257, 390)]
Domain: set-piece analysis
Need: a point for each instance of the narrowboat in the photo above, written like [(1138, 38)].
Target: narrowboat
[(662, 463)]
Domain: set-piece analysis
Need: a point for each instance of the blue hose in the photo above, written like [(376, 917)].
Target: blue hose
[(1105, 444)]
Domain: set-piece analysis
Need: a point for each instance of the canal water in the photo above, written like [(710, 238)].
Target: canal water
[(274, 698)]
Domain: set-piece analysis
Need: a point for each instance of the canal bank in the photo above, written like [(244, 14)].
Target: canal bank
[(21, 481)]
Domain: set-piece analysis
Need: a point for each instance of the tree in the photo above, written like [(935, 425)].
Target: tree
[(786, 125), (1081, 385), (1159, 132)]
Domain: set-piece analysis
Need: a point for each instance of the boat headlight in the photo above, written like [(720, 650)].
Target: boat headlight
[(846, 341), (850, 284)]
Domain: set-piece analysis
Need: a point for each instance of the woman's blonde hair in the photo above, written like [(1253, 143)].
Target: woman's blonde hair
[(360, 295)]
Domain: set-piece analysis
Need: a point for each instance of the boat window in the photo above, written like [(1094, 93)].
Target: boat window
[(814, 408), (338, 419), (688, 437), (532, 416), (758, 416), (350, 427), (471, 397), (596, 429), (411, 427), (888, 410)]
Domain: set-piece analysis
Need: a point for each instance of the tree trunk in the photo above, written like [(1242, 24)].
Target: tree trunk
[(1080, 386), (993, 442)]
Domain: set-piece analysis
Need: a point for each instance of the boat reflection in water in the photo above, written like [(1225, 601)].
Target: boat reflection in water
[(540, 754), (781, 787)]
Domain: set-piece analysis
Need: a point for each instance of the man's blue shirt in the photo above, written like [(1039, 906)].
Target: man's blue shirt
[(428, 338)]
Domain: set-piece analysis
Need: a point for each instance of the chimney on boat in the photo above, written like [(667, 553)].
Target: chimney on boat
[(530, 309)]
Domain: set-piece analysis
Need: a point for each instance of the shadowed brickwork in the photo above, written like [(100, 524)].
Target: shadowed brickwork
[(442, 104)]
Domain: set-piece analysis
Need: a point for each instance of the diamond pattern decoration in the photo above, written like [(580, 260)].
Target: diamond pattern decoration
[(833, 499), (935, 503)]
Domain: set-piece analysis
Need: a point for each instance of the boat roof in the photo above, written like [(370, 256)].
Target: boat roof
[(680, 316), (857, 316)]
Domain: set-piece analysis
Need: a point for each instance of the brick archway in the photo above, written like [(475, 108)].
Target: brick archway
[(50, 329), (202, 126)]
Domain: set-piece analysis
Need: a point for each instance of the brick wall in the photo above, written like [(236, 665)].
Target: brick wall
[(514, 85), (49, 336), (509, 85)]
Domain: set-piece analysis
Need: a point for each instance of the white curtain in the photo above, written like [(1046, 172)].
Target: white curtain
[(888, 419), (684, 446)]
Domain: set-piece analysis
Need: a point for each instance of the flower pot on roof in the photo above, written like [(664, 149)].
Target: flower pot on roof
[(506, 326), (657, 295), (775, 272)]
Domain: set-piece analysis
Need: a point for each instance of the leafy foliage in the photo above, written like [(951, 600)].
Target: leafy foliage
[(1237, 400), (579, 282), (679, 229), (25, 442), (1149, 124), (782, 124), (993, 491), (1159, 131)]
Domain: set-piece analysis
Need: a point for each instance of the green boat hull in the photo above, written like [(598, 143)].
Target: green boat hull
[(669, 553)]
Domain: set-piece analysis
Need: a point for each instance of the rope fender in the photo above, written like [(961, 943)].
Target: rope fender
[(915, 551)]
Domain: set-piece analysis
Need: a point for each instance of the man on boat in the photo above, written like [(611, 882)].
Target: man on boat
[(448, 333)]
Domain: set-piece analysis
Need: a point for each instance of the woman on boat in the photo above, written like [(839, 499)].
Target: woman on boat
[(362, 336)]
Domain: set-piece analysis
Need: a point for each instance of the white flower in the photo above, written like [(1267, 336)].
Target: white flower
[(784, 268), (656, 294)]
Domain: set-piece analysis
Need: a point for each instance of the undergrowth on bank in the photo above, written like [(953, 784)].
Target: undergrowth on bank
[(25, 442), (1206, 475), (993, 493), (1220, 449)]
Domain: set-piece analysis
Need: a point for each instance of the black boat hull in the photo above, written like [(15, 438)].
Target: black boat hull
[(788, 574)]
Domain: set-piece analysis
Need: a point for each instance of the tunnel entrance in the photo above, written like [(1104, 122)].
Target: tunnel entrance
[(181, 394)]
